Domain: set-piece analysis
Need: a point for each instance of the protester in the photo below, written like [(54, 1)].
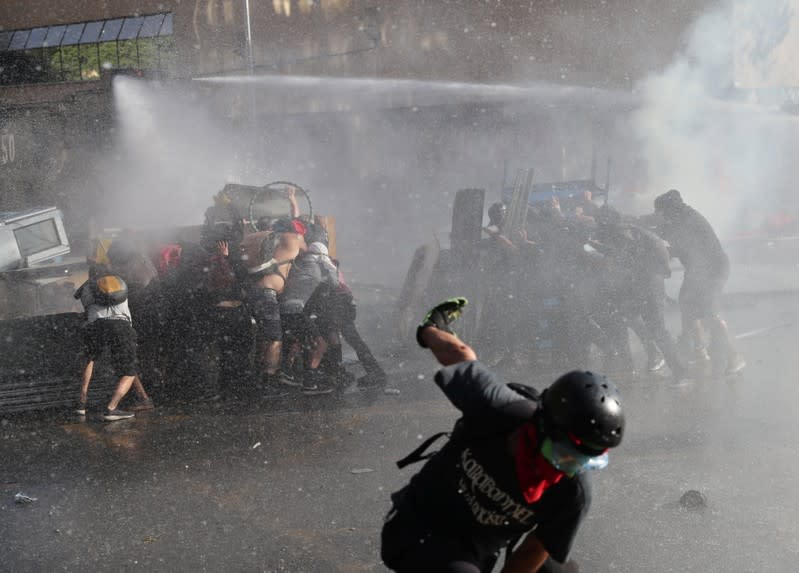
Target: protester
[(336, 312), (694, 242), (109, 325), (515, 465), (309, 270), (268, 256)]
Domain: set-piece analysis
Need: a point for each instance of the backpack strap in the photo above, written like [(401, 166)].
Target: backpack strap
[(269, 264), (418, 454)]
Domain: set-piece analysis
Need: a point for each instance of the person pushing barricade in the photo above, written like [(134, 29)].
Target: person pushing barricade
[(515, 466), (108, 325)]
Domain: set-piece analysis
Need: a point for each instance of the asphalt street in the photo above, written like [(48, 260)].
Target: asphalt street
[(301, 484)]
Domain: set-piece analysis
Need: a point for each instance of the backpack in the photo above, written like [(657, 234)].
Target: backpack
[(109, 290)]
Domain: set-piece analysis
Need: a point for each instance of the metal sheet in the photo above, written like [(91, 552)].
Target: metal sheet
[(72, 34), (166, 29), (151, 26), (54, 36), (36, 38), (111, 30), (91, 33), (5, 40), (130, 29), (19, 40)]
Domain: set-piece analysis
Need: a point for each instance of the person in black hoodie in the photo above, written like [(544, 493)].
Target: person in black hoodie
[(692, 240)]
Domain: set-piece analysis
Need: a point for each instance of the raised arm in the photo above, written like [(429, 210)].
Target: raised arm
[(446, 346), (291, 195)]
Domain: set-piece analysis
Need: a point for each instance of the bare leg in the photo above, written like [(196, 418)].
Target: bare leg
[(270, 356), (122, 388), (139, 388), (290, 356), (317, 352), (85, 379), (721, 338)]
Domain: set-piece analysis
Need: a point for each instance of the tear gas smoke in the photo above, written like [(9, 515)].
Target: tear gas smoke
[(702, 125)]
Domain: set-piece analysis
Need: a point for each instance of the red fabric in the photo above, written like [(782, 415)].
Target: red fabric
[(535, 474), (169, 259), (299, 226)]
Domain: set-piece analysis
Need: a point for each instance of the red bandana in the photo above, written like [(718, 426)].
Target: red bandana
[(535, 474)]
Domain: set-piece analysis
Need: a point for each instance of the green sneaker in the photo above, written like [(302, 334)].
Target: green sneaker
[(441, 316)]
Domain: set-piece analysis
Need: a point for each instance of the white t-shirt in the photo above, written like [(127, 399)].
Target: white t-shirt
[(96, 311)]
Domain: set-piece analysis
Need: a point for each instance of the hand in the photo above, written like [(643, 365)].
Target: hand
[(291, 191), (223, 248)]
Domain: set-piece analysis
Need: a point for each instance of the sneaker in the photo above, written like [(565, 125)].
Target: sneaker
[(270, 392), (143, 405), (112, 415), (735, 364), (441, 316), (288, 379), (81, 409), (315, 384)]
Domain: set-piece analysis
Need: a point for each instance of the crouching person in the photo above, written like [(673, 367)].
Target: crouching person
[(109, 325), (514, 469)]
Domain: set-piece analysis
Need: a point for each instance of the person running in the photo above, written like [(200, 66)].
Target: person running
[(515, 467)]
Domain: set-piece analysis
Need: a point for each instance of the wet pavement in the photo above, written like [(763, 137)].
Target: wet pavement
[(301, 484)]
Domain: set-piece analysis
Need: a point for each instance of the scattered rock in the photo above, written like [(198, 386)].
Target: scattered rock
[(693, 500), (362, 470), (22, 498)]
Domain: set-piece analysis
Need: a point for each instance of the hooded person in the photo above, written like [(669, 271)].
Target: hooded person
[(693, 241), (516, 466)]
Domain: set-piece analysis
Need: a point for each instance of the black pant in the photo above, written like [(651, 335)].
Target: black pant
[(352, 337), (408, 545), (650, 304)]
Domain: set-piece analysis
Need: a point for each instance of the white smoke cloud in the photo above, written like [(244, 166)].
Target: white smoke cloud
[(716, 143)]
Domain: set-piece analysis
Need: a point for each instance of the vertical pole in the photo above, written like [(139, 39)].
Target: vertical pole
[(251, 70), (250, 58)]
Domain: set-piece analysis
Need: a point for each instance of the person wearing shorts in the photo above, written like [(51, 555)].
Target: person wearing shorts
[(109, 327)]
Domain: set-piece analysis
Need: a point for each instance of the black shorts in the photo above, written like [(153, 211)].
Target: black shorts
[(700, 296), (264, 308), (119, 337), (299, 326)]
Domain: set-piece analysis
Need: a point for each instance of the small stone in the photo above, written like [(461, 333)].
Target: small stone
[(693, 500)]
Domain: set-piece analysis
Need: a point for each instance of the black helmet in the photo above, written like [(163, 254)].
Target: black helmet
[(496, 213), (586, 406)]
